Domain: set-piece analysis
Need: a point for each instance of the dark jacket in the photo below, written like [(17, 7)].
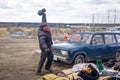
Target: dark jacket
[(45, 39)]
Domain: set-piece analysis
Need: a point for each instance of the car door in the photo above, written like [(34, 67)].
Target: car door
[(97, 48), (111, 44)]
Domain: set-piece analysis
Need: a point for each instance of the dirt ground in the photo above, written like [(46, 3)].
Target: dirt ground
[(19, 60)]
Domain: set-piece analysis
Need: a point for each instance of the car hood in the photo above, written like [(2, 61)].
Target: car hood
[(67, 46)]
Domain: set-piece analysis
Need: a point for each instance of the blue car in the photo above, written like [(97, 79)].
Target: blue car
[(88, 46)]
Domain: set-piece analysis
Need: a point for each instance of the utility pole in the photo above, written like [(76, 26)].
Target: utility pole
[(93, 18), (108, 16), (114, 16), (97, 18)]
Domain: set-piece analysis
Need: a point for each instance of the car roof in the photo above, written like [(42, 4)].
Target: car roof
[(97, 32)]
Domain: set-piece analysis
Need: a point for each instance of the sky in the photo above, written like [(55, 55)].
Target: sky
[(61, 11)]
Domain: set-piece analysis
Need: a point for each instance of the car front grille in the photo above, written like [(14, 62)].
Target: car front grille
[(56, 51)]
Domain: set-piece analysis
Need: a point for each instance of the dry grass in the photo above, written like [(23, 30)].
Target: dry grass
[(3, 32), (57, 33)]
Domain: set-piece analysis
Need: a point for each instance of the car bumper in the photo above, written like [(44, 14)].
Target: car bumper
[(61, 58)]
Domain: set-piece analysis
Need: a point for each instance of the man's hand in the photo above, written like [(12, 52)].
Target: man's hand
[(47, 50)]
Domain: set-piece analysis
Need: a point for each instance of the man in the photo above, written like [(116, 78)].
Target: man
[(45, 43)]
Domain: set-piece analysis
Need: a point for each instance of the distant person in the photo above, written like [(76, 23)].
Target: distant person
[(45, 43), (66, 37)]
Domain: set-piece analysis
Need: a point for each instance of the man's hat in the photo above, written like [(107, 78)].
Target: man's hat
[(43, 24)]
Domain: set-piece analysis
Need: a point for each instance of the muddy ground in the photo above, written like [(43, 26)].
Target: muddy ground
[(19, 60)]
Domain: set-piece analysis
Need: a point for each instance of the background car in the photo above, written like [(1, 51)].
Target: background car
[(115, 29)]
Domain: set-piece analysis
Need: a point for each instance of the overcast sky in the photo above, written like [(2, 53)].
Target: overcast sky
[(60, 11)]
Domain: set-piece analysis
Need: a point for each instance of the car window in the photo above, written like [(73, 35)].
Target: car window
[(109, 38), (118, 37), (97, 39)]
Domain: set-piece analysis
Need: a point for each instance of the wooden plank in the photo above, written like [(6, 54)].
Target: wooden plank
[(105, 78), (70, 74)]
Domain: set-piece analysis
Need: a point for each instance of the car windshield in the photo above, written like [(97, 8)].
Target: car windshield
[(81, 37)]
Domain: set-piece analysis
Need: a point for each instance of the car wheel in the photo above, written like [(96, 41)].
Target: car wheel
[(79, 59), (117, 56)]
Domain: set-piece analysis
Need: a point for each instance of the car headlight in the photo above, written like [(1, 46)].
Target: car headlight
[(64, 52)]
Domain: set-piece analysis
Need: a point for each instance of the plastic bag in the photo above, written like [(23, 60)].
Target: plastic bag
[(93, 75), (80, 66)]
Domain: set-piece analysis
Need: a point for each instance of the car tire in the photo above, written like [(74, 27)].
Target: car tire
[(117, 56), (79, 59)]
